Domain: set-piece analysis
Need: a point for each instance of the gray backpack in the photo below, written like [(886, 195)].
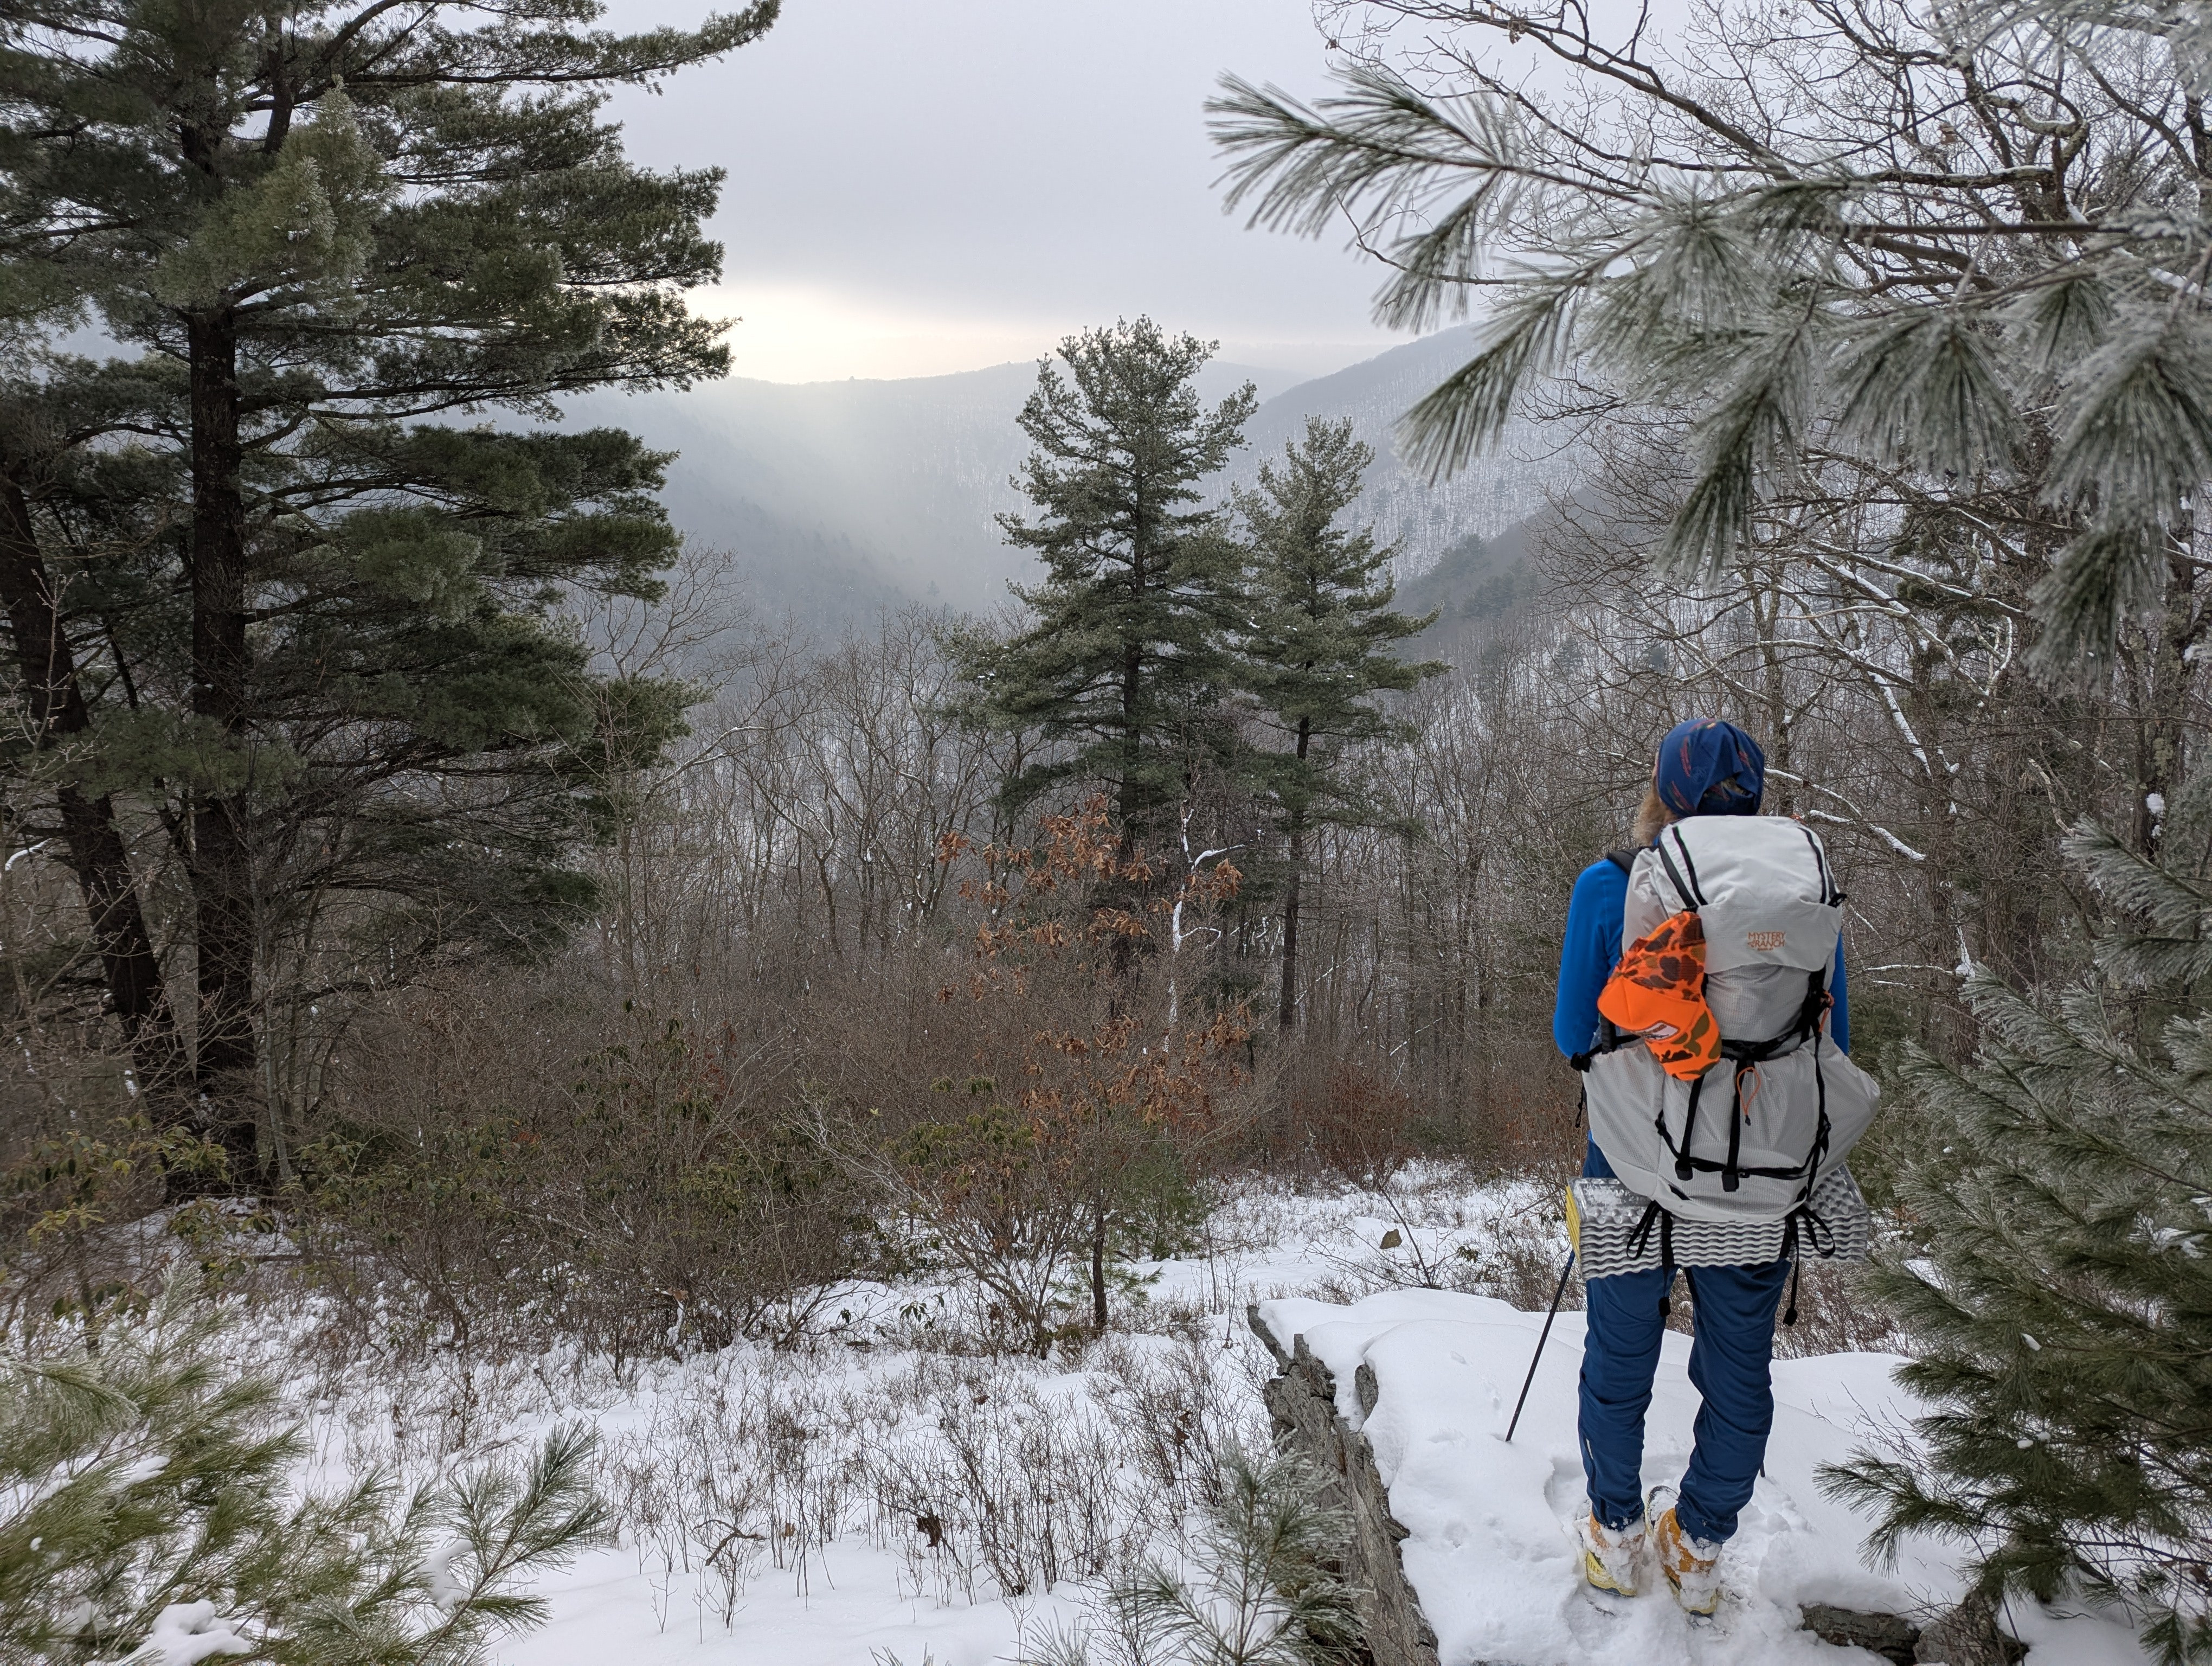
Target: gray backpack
[(1751, 1139)]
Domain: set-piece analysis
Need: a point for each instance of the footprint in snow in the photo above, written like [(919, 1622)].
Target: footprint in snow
[(1567, 1491)]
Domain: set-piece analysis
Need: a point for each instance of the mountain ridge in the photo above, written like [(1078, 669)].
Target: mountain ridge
[(835, 500)]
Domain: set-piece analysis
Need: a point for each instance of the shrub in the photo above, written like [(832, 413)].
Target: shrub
[(1076, 1144), (1260, 1589), (659, 1199)]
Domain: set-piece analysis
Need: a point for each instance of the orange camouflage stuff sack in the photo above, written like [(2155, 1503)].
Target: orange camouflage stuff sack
[(1658, 992)]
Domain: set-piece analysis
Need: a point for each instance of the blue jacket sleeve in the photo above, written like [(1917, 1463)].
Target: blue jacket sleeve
[(1839, 1015), (1589, 954)]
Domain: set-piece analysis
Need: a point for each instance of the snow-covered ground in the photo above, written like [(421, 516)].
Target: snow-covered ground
[(1491, 1552), (891, 1492)]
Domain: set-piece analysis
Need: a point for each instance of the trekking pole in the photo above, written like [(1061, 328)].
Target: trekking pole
[(1543, 1336)]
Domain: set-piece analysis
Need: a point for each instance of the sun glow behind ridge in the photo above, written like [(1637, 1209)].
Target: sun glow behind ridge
[(792, 332), (808, 333)]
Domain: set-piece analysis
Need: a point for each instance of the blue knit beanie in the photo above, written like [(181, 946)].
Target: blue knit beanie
[(1709, 768)]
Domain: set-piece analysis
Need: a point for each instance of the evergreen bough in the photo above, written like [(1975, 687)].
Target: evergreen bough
[(147, 1516), (1819, 234), (2057, 1276)]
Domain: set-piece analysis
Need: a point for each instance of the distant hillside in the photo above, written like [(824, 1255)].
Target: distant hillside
[(837, 499), (1424, 521), (1477, 582), (1476, 579)]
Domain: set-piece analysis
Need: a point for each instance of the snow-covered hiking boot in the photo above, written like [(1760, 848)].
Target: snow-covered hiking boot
[(1609, 1554), (1691, 1565)]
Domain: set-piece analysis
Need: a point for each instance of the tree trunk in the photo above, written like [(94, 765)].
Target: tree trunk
[(1098, 1269), (1287, 1010), (1131, 802), (96, 850), (1122, 955), (2159, 718), (1131, 799), (220, 862), (1781, 753)]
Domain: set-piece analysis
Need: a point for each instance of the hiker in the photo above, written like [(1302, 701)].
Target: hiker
[(1706, 768)]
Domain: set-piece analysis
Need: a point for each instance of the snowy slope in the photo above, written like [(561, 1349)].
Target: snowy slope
[(857, 1609), (1492, 1554), (902, 1494)]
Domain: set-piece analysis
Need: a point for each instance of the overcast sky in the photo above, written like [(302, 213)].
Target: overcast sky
[(918, 187)]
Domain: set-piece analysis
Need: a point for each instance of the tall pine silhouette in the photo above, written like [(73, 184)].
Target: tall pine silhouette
[(1313, 648), (1122, 672), (338, 237)]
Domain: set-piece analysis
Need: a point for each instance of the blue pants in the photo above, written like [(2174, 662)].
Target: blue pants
[(1729, 1357)]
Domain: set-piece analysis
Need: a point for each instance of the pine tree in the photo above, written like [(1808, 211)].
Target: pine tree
[(1313, 648), (2056, 1277), (336, 667), (1979, 339), (1814, 296), (1122, 672), (151, 1513), (56, 433)]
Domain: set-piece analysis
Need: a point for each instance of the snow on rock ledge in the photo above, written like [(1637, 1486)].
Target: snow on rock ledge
[(1487, 1529), (1302, 1401)]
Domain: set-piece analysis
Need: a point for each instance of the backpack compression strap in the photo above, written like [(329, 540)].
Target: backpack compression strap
[(1655, 1212), (1744, 1055)]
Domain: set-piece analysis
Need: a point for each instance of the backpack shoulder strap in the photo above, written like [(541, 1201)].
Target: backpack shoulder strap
[(1693, 896), (1829, 896), (1623, 860)]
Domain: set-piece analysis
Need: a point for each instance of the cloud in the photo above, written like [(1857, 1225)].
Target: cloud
[(915, 188)]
